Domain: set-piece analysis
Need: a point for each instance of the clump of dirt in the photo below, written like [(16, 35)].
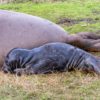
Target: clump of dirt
[(70, 22), (67, 21), (96, 11)]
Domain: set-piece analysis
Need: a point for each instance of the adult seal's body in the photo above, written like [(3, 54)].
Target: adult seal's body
[(27, 31), (49, 58)]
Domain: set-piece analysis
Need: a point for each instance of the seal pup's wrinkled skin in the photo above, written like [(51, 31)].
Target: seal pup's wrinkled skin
[(49, 58)]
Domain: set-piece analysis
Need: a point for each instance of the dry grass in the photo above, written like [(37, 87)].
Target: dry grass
[(58, 86)]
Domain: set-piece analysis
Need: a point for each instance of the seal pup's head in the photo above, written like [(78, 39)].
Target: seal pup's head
[(15, 59)]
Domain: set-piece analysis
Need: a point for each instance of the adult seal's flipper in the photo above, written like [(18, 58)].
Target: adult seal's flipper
[(85, 40)]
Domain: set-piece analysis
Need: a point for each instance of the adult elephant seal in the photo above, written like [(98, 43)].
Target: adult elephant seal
[(49, 58), (27, 31)]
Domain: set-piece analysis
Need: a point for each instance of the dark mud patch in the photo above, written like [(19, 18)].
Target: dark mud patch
[(70, 22), (97, 12)]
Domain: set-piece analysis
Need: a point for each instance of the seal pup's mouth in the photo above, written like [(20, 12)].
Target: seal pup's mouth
[(7, 69)]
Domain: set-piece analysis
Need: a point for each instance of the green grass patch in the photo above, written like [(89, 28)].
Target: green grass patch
[(60, 10)]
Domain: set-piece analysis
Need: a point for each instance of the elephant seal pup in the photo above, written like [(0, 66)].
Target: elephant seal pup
[(27, 31), (49, 58)]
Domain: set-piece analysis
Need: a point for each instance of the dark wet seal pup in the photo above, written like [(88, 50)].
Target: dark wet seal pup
[(49, 58)]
